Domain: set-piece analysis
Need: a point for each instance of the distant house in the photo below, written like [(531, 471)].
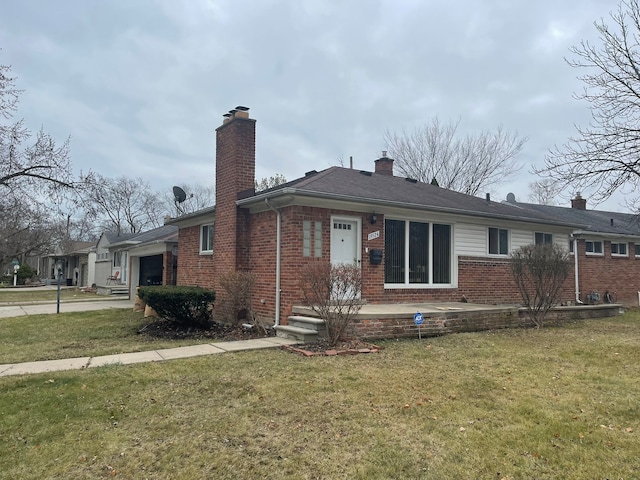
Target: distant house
[(110, 264), (414, 242), (74, 260), (131, 260)]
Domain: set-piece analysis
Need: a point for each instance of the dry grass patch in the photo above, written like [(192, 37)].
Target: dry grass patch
[(77, 334), (544, 404)]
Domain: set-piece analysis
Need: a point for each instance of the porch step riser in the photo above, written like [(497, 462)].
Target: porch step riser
[(310, 324), (303, 335)]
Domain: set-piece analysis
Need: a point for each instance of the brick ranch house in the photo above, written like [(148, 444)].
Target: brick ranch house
[(414, 242)]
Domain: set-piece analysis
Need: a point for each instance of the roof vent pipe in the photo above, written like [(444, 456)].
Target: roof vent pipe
[(488, 197)]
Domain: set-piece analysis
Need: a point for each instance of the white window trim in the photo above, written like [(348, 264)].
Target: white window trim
[(593, 254), (204, 252), (500, 255), (620, 254), (543, 235), (453, 260)]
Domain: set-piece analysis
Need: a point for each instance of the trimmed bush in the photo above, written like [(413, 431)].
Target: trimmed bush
[(187, 306)]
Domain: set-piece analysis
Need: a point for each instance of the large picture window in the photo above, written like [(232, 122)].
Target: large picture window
[(417, 253)]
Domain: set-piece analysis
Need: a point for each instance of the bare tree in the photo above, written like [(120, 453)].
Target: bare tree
[(25, 229), (34, 174), (544, 192), (198, 197), (605, 155), (539, 272), (270, 182), (122, 204), (467, 164), (333, 292), (25, 165)]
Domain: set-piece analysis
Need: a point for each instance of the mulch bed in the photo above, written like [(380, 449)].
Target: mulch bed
[(218, 331), (323, 348)]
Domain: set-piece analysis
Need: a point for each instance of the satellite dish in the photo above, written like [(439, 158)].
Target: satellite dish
[(179, 195)]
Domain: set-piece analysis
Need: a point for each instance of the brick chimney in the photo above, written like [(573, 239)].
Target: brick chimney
[(384, 165), (235, 177), (579, 203)]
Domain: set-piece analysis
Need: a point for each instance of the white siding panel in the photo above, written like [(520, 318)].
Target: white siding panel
[(471, 240), (520, 238), (562, 240)]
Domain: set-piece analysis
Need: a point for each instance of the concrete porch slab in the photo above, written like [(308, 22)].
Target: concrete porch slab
[(407, 310)]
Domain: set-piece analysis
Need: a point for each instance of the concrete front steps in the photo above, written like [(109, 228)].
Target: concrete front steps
[(118, 290), (302, 328)]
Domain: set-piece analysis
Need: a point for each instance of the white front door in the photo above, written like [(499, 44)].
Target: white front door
[(345, 248), (344, 241)]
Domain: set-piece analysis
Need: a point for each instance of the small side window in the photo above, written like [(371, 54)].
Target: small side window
[(498, 241), (543, 238), (206, 239)]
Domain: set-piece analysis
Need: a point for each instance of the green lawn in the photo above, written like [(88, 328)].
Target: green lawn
[(77, 334), (512, 404)]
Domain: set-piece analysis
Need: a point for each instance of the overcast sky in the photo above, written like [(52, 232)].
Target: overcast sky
[(140, 86)]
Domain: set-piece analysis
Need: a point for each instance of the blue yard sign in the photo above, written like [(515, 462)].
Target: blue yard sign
[(418, 319)]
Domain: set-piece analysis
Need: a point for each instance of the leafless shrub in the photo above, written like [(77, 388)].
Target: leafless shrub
[(333, 292), (539, 272), (235, 305)]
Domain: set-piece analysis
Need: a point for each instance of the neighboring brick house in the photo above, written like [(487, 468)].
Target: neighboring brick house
[(415, 242)]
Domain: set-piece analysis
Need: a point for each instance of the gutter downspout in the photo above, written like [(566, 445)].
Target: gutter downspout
[(575, 259), (278, 259)]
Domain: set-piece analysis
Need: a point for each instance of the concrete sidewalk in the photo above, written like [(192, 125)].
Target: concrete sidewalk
[(65, 306), (120, 358), (142, 357)]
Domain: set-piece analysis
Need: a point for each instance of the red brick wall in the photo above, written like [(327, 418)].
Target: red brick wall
[(193, 268), (471, 321), (606, 273), (235, 173), (168, 260), (480, 280)]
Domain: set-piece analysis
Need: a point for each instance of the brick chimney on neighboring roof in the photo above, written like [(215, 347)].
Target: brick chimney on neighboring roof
[(579, 203), (384, 165), (235, 176)]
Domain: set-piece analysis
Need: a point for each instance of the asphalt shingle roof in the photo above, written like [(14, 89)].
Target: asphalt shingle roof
[(594, 220), (346, 183), (165, 233)]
